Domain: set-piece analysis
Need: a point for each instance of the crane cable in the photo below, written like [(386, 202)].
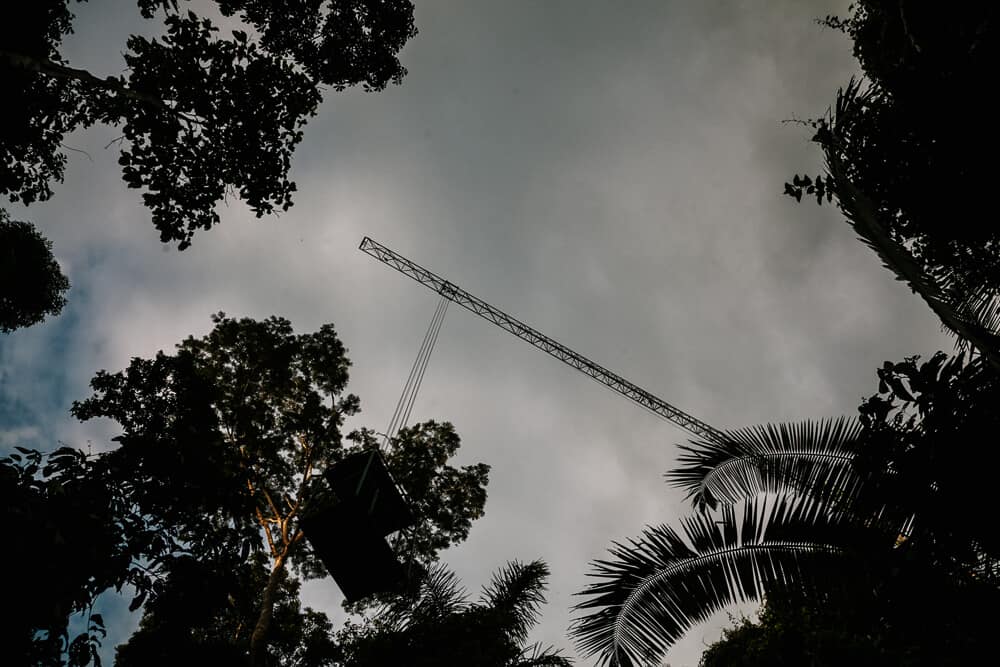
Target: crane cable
[(404, 407), (409, 396)]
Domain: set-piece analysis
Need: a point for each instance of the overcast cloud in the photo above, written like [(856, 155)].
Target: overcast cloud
[(610, 173)]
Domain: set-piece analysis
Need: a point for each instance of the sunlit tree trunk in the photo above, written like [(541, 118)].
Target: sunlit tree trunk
[(258, 640)]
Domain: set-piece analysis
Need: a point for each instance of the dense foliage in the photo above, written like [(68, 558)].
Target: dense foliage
[(916, 141), (203, 114), (219, 453), (33, 285)]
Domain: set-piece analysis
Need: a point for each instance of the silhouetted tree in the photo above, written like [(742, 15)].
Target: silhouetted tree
[(70, 537), (217, 462), (910, 157), (440, 627), (906, 621), (201, 617), (202, 114), (885, 514), (31, 283), (791, 634)]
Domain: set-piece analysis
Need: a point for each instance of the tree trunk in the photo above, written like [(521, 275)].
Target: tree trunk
[(258, 640)]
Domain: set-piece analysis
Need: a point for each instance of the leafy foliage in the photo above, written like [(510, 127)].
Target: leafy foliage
[(31, 283), (928, 423), (907, 159), (967, 306), (910, 621), (914, 142), (70, 537), (789, 634), (203, 611), (202, 115), (417, 458), (40, 110), (220, 446)]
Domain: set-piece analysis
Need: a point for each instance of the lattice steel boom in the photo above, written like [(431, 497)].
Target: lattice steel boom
[(538, 339)]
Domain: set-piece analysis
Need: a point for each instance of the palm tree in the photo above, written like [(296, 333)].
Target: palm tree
[(656, 587), (440, 626), (829, 511)]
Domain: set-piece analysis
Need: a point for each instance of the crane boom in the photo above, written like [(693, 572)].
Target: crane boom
[(541, 341)]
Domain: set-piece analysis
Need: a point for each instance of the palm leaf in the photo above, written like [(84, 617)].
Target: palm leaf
[(978, 305), (807, 457), (536, 656), (658, 586), (440, 594), (514, 595)]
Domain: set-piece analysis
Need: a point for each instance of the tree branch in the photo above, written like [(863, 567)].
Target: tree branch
[(906, 27), (77, 150), (263, 522), (274, 508), (267, 531), (60, 71)]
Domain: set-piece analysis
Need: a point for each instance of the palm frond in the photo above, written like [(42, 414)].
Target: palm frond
[(850, 103), (536, 656), (515, 594), (656, 587), (440, 594), (978, 305), (806, 457)]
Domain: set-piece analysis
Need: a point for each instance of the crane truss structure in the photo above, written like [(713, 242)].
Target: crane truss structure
[(511, 324)]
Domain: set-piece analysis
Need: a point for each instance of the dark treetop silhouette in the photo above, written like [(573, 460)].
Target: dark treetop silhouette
[(220, 446), (203, 114), (909, 160), (31, 283)]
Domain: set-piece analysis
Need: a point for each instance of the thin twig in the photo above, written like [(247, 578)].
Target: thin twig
[(77, 150)]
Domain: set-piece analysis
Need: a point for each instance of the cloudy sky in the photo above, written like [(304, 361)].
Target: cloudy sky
[(610, 176)]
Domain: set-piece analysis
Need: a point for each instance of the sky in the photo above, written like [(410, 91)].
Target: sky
[(609, 174)]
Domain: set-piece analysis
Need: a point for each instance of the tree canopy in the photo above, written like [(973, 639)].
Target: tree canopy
[(203, 113), (70, 538), (915, 139), (33, 283), (791, 633), (908, 161), (216, 463)]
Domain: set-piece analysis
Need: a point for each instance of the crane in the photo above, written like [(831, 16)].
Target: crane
[(457, 295)]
